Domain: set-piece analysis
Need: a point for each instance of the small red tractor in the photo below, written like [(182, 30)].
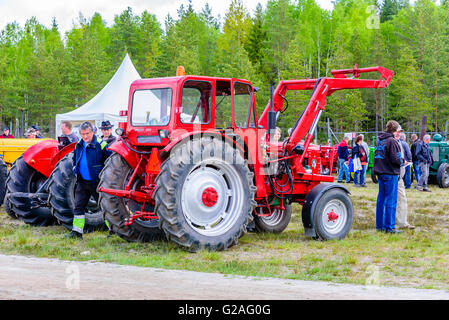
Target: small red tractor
[(195, 163), (40, 187)]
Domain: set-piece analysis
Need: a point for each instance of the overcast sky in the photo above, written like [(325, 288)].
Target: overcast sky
[(67, 11)]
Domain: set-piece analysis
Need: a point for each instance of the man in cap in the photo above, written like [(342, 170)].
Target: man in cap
[(38, 134), (425, 159), (30, 133), (106, 130), (6, 134)]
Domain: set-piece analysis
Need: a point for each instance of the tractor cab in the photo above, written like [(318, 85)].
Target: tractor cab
[(163, 111)]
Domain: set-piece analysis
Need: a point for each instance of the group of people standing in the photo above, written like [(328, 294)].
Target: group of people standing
[(360, 151), (393, 159)]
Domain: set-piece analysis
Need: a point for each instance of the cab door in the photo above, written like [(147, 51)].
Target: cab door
[(245, 125)]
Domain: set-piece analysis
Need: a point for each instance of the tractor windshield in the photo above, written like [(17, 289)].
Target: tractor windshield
[(151, 107)]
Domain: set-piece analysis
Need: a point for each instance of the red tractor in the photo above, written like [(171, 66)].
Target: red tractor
[(195, 163), (40, 187)]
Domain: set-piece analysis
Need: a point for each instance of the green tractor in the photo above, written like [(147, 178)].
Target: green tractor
[(439, 171)]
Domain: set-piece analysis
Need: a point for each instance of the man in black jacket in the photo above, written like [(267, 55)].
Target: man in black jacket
[(387, 164), (415, 142), (425, 160)]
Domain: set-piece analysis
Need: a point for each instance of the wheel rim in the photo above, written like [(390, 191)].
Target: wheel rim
[(334, 216), (211, 197), (274, 219)]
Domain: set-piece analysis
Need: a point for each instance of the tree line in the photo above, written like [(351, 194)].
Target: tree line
[(44, 73)]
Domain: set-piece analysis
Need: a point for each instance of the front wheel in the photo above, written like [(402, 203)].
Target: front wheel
[(333, 215)]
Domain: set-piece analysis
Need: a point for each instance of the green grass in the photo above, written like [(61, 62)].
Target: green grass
[(418, 258)]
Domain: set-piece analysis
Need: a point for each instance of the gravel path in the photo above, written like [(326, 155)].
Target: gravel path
[(38, 278)]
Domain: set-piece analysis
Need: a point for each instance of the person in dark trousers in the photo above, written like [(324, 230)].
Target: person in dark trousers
[(89, 157), (425, 162), (387, 164), (415, 142), (408, 159), (343, 160), (6, 134), (359, 152), (106, 129)]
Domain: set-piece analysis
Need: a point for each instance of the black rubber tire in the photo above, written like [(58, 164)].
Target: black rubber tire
[(332, 194), (168, 194), (116, 175), (443, 175), (3, 176), (23, 178), (61, 189), (7, 207), (373, 176), (263, 224)]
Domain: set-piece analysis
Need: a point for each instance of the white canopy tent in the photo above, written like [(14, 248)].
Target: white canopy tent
[(107, 104)]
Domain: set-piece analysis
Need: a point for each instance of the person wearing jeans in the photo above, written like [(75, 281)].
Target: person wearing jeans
[(343, 159), (387, 163), (359, 152)]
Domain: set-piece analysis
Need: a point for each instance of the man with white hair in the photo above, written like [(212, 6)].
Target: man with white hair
[(425, 161)]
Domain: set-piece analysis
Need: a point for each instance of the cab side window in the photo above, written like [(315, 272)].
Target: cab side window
[(196, 102)]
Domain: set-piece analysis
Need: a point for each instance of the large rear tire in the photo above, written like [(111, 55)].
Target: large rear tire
[(3, 176), (61, 197), (274, 223), (23, 178), (116, 175), (205, 195)]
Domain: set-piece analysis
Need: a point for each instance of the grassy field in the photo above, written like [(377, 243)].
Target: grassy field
[(417, 258)]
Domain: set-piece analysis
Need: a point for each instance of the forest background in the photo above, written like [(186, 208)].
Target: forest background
[(44, 73)]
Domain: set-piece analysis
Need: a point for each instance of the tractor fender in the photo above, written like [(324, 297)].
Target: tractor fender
[(310, 202), (164, 153), (131, 157), (44, 156)]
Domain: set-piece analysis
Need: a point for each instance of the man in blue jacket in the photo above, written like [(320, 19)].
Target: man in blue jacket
[(387, 164), (89, 157)]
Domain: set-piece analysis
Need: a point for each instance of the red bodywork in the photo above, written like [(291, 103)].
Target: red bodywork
[(45, 155), (308, 169)]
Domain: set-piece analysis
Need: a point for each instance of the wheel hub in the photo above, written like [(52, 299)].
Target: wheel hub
[(332, 216), (210, 197)]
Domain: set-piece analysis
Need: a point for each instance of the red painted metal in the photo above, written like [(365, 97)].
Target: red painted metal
[(44, 156), (332, 216)]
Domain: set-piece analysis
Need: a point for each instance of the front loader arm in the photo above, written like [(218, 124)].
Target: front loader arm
[(322, 88)]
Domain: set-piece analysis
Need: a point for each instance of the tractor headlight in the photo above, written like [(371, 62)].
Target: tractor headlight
[(164, 133), (119, 131)]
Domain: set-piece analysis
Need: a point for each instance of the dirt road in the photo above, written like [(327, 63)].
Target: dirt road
[(37, 278)]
